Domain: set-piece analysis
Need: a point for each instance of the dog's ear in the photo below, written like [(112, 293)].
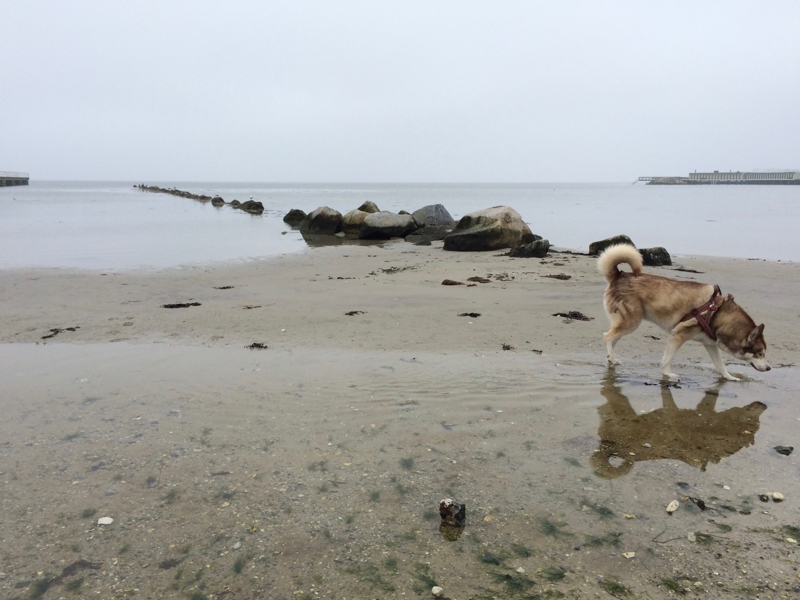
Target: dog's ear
[(729, 297), (755, 334)]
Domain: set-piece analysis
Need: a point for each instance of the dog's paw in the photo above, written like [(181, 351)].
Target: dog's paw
[(613, 361), (671, 376), (730, 377)]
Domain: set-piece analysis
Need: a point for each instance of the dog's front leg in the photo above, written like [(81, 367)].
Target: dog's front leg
[(716, 358), (676, 340)]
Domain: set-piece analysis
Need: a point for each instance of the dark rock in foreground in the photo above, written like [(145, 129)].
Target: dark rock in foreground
[(596, 248), (536, 249), (491, 229), (426, 235), (321, 221), (235, 203), (294, 217), (251, 206), (384, 225), (217, 201), (433, 215), (655, 257)]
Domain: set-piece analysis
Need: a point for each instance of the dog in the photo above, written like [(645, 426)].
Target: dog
[(687, 310)]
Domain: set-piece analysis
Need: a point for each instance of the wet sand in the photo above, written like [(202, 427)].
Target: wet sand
[(314, 468)]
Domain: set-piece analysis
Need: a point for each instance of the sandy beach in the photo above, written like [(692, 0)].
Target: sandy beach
[(313, 468)]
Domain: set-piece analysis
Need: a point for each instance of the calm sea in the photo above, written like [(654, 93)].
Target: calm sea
[(113, 226)]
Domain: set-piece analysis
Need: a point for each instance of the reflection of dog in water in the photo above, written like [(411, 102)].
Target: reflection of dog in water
[(695, 436)]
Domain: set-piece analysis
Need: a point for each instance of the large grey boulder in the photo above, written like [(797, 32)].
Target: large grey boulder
[(433, 215), (536, 249), (369, 207), (384, 225), (322, 221), (655, 257), (294, 217), (352, 222), (596, 248), (489, 229)]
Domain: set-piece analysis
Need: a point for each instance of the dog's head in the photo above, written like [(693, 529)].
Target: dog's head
[(755, 352), (741, 336)]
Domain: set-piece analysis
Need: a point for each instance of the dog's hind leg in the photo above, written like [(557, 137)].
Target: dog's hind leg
[(716, 358), (619, 327)]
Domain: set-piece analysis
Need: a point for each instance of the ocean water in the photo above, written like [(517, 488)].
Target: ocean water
[(114, 226)]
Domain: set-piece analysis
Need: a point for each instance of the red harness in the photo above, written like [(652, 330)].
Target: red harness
[(705, 313)]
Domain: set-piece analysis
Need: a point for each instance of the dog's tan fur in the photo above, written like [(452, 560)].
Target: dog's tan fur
[(631, 297)]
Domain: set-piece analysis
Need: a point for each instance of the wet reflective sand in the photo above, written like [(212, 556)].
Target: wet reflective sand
[(232, 473)]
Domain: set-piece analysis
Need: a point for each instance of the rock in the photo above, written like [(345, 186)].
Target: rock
[(352, 222), (763, 497), (236, 546), (426, 235), (596, 248), (384, 225), (452, 512), (369, 207), (403, 212), (490, 229), (235, 203), (322, 221), (672, 506), (629, 554), (784, 450), (294, 217), (252, 207), (520, 570), (437, 591), (217, 201), (451, 282), (105, 521), (777, 497), (691, 536), (655, 257), (433, 215), (536, 249)]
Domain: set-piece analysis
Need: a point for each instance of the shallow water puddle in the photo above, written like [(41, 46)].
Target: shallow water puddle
[(310, 473)]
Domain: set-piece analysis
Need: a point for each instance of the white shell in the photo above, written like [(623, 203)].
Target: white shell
[(437, 591), (672, 506), (105, 521), (629, 554), (520, 570), (777, 497)]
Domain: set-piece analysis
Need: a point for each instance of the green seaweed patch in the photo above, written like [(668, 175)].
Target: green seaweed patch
[(390, 563), (430, 515), (515, 584), (370, 574), (171, 496), (601, 511), (422, 573), (704, 538), (348, 519), (673, 585), (72, 436), (552, 528), (239, 564), (88, 513), (407, 463), (374, 496), (553, 574), (572, 461), (615, 588), (609, 539), (791, 531), (521, 550), (40, 586), (490, 558), (320, 465)]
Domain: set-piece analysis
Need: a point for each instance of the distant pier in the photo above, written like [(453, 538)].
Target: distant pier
[(9, 178), (729, 178)]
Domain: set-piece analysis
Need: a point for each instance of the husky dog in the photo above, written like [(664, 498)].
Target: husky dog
[(687, 310)]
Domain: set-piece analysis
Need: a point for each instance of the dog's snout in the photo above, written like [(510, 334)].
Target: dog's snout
[(768, 368)]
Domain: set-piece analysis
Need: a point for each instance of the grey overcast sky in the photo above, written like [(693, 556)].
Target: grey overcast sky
[(411, 91)]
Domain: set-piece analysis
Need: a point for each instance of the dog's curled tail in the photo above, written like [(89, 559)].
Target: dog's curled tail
[(618, 254)]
